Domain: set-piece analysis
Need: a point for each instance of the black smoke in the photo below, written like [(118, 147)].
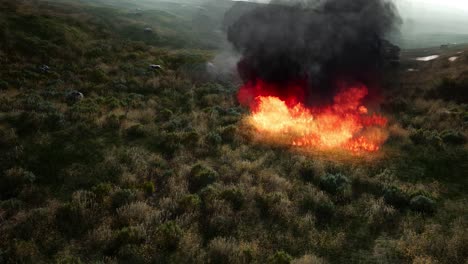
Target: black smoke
[(316, 41)]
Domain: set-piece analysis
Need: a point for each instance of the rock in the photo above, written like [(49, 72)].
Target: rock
[(155, 67), (74, 97), (44, 68)]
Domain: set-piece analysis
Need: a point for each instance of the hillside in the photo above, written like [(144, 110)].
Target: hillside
[(105, 159)]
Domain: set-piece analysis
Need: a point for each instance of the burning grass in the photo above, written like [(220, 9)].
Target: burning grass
[(345, 124)]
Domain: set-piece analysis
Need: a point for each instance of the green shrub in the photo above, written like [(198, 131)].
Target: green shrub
[(395, 197), (166, 143), (113, 122), (149, 188), (136, 132), (228, 133), (26, 252), (452, 89), (102, 190), (169, 235), (8, 137), (280, 257), (222, 250), (201, 176), (189, 203), (235, 197), (307, 172), (4, 85), (97, 76), (189, 139), (214, 139), (422, 136), (164, 115), (217, 224), (423, 204), (29, 122), (130, 235), (67, 259), (131, 254), (122, 197), (324, 212), (453, 137), (72, 220), (334, 183), (34, 102), (11, 204), (13, 181)]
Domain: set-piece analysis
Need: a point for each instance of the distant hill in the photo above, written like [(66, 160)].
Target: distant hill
[(422, 40)]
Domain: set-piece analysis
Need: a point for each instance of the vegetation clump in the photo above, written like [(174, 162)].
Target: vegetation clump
[(159, 165), (200, 177), (334, 183), (423, 204)]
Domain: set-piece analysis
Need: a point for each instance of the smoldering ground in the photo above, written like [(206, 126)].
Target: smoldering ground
[(321, 43)]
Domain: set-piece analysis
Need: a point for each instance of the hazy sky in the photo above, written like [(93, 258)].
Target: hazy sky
[(425, 16), (445, 5), (449, 5)]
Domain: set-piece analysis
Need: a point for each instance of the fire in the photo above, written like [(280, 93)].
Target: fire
[(345, 124)]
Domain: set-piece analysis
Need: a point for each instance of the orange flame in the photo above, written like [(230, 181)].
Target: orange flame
[(346, 124)]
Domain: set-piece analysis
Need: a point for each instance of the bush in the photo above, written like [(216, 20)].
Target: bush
[(11, 205), (453, 137), (235, 197), (123, 197), (26, 252), (113, 122), (169, 235), (149, 188), (308, 172), (13, 181), (214, 139), (423, 204), (280, 257), (334, 183), (72, 220), (66, 258), (8, 138), (4, 85), (221, 250), (228, 133), (201, 176), (136, 132), (218, 223), (134, 214), (324, 212), (452, 89), (131, 254), (102, 190), (395, 197), (130, 235), (422, 136), (165, 115), (309, 259), (189, 203)]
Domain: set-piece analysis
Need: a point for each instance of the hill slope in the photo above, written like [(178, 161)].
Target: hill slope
[(157, 166)]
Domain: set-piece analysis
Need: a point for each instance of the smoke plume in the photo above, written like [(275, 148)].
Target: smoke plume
[(320, 43)]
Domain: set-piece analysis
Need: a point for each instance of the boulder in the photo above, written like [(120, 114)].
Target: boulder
[(74, 97)]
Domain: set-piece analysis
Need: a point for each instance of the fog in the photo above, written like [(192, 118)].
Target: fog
[(424, 22)]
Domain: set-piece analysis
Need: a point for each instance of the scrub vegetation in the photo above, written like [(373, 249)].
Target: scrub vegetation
[(157, 165)]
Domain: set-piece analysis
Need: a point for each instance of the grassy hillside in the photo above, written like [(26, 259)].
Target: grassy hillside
[(157, 166)]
